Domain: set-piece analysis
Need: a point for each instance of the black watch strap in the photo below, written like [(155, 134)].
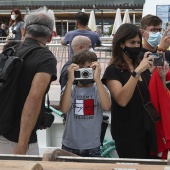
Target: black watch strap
[(135, 74)]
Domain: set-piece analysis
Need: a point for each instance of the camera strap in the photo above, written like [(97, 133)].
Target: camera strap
[(48, 103)]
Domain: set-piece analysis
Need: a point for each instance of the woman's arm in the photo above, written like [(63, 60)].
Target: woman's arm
[(123, 94)]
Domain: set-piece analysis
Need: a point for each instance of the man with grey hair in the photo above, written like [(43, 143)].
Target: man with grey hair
[(39, 69), (79, 43)]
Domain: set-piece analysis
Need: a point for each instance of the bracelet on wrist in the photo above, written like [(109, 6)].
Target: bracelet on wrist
[(161, 49)]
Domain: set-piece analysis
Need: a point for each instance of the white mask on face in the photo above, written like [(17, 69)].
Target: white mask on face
[(13, 17), (154, 39)]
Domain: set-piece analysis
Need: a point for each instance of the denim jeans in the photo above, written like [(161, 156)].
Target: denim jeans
[(94, 152)]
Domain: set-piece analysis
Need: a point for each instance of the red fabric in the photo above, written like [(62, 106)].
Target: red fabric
[(168, 76), (89, 107), (160, 97)]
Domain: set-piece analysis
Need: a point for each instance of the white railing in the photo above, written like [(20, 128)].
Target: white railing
[(104, 53), (61, 52)]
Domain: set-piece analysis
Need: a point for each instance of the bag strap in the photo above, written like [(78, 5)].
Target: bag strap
[(9, 51), (13, 50), (48, 101)]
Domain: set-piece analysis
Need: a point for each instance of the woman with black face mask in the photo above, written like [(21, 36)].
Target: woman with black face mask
[(127, 78)]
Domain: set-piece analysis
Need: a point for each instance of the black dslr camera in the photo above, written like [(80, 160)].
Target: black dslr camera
[(158, 59), (45, 119)]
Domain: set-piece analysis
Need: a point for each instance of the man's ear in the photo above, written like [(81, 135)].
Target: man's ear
[(143, 32)]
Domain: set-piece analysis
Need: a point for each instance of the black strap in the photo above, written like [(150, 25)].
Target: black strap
[(48, 101)]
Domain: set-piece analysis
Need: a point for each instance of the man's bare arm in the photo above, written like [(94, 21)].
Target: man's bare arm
[(31, 110)]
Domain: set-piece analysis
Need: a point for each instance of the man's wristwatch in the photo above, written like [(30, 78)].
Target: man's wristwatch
[(135, 74)]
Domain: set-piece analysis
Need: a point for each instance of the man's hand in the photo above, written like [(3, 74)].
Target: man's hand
[(20, 150), (62, 41), (165, 41), (164, 70)]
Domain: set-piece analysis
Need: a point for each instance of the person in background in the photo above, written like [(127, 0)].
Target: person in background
[(153, 40), (16, 26), (38, 71), (154, 35), (2, 30), (127, 79), (84, 104), (82, 29), (79, 43)]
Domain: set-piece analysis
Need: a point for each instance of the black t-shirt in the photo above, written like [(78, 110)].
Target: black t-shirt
[(40, 60), (128, 123)]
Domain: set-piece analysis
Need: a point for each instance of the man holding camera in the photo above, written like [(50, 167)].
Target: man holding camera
[(84, 104), (151, 29)]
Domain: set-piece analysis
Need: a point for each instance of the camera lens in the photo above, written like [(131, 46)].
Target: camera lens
[(85, 74), (77, 74)]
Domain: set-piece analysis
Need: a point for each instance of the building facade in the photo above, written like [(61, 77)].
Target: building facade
[(65, 10)]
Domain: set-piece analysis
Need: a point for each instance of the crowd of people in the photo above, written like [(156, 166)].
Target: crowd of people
[(15, 29), (125, 87)]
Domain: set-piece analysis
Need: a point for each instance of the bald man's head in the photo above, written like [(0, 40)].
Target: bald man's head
[(80, 43)]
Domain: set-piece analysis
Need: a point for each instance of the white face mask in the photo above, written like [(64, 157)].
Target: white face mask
[(13, 17), (154, 39)]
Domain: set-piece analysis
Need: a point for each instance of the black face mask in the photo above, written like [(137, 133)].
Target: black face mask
[(132, 52), (86, 82)]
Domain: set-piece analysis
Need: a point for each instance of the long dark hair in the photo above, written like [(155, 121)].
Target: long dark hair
[(125, 32), (19, 17)]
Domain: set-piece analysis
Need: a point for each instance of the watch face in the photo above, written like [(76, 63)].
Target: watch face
[(134, 74)]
